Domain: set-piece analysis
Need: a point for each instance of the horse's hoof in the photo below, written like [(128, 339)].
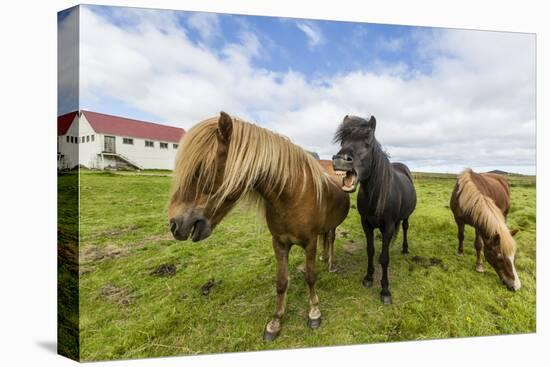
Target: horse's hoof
[(405, 251), (385, 299), (269, 336), (367, 283), (458, 253), (314, 323), (479, 268), (332, 269)]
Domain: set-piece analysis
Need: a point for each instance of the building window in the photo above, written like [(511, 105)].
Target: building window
[(149, 143), (128, 141), (163, 145), (175, 146), (72, 139), (92, 138), (68, 139), (88, 139)]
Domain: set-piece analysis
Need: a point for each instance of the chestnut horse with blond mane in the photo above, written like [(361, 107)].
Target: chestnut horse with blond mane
[(222, 159), (483, 201)]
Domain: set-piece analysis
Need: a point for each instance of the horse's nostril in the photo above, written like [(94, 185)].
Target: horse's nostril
[(173, 226), (348, 158)]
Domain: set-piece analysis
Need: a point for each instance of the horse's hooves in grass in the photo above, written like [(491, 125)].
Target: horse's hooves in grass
[(385, 299), (458, 253), (333, 269), (367, 283), (269, 336), (314, 323), (479, 268), (405, 251)]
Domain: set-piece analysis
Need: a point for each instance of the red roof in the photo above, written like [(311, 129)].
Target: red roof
[(120, 126), (64, 122)]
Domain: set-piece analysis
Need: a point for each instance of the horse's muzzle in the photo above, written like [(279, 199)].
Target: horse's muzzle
[(197, 228), (342, 162)]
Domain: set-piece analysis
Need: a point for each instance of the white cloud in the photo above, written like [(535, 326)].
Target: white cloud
[(313, 33), (475, 108), (207, 24)]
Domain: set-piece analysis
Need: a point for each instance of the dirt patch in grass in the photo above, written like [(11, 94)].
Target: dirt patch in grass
[(352, 247), (94, 254), (426, 262), (207, 287), (114, 232), (101, 253), (164, 270), (116, 295)]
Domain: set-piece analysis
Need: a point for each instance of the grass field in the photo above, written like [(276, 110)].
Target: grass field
[(143, 294)]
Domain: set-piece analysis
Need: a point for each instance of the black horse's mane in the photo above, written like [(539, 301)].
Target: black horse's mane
[(353, 128), (378, 166)]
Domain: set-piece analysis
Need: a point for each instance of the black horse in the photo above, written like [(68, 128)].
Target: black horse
[(386, 196)]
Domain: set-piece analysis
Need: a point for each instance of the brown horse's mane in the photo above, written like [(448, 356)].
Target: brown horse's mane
[(255, 156), (483, 211)]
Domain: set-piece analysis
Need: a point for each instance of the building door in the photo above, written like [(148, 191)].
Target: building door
[(110, 146)]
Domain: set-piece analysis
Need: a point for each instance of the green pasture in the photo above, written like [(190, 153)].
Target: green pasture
[(143, 294)]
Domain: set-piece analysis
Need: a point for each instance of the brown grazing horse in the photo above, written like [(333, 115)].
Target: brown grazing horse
[(483, 201), (328, 238), (222, 159)]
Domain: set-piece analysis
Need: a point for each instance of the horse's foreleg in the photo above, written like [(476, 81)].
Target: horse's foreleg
[(387, 234), (314, 315), (331, 236), (405, 225), (273, 328), (479, 249), (369, 233), (460, 249)]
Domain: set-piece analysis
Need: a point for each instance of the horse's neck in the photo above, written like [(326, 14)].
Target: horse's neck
[(376, 166)]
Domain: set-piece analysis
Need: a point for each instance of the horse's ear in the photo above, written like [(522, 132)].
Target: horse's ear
[(513, 232), (225, 127), (372, 122)]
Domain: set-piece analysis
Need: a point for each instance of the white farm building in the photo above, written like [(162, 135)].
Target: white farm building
[(100, 141)]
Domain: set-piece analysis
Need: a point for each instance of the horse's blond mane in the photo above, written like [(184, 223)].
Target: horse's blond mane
[(256, 156), (484, 212)]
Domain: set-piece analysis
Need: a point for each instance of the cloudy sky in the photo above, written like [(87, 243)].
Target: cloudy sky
[(444, 99)]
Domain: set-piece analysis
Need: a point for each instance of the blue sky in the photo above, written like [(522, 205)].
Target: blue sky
[(449, 89)]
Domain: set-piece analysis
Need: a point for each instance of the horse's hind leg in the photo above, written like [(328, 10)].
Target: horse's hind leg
[(273, 328), (479, 248), (314, 315), (331, 236), (405, 241), (387, 234), (460, 249), (324, 238)]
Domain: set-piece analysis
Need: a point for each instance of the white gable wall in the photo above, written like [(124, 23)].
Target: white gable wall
[(88, 150), (68, 150)]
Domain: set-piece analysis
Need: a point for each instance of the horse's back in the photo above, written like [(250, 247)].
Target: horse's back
[(491, 185), (498, 189), (404, 181)]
